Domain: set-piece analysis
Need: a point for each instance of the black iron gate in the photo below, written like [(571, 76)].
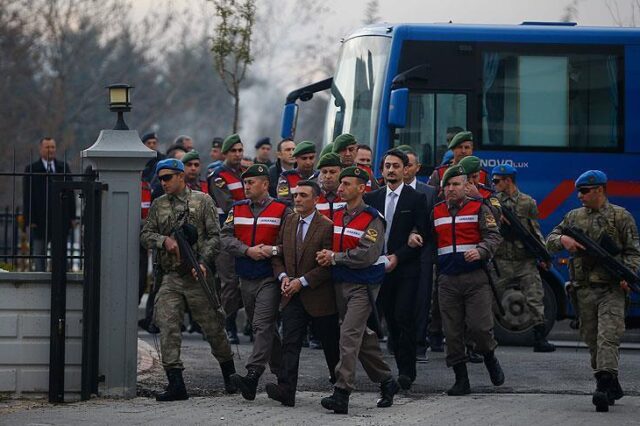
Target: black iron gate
[(90, 195)]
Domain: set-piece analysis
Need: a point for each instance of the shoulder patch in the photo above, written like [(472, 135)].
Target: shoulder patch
[(494, 202), (491, 221), (229, 217), (371, 235), (219, 182)]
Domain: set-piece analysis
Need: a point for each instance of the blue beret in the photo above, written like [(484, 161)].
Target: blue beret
[(504, 170), (447, 157), (171, 164), (591, 178), (263, 141), (147, 136)]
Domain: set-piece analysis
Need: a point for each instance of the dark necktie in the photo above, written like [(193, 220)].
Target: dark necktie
[(299, 240), (49, 168)]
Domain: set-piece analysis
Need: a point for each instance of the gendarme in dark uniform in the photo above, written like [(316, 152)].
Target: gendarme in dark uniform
[(466, 236)]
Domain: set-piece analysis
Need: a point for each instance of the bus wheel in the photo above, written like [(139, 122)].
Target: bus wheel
[(516, 328)]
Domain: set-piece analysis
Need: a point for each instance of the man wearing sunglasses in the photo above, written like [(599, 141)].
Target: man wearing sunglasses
[(518, 267), (600, 296), (182, 206)]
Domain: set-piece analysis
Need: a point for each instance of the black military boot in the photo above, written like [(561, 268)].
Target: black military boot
[(247, 384), (388, 389), (600, 398), (279, 393), (461, 386), (175, 391), (338, 402), (540, 343), (232, 329), (493, 367), (228, 368), (615, 391)]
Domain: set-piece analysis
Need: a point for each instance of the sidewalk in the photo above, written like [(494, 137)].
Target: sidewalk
[(503, 409)]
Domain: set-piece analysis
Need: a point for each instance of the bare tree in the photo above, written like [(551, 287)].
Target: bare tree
[(571, 11), (371, 12), (232, 46), (632, 15)]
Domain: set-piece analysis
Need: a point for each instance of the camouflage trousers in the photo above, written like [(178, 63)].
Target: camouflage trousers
[(524, 275), (230, 295), (171, 301), (601, 308)]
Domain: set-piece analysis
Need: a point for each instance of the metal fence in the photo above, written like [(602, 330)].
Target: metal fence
[(26, 209)]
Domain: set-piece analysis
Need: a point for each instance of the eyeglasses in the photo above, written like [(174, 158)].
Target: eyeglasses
[(586, 189), (167, 177), (496, 181)]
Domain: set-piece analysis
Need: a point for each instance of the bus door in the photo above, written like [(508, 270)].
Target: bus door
[(433, 118)]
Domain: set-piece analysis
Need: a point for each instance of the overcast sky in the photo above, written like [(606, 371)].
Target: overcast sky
[(348, 14), (343, 16)]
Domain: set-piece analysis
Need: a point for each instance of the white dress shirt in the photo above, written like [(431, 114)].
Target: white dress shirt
[(305, 222)]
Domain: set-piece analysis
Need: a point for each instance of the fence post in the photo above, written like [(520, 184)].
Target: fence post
[(119, 156)]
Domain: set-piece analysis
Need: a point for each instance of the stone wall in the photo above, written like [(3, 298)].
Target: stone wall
[(24, 333)]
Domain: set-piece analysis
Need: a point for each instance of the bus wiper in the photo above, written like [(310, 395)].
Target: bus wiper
[(418, 73)]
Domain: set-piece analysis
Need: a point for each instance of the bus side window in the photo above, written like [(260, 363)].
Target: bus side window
[(430, 118)]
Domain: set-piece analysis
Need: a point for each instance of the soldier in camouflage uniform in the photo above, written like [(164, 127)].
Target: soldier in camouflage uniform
[(518, 267), (600, 297), (179, 206)]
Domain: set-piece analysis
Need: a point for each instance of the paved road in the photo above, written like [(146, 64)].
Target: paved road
[(540, 389), (507, 409)]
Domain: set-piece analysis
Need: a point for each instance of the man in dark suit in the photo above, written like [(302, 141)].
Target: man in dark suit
[(404, 211), (307, 289), (35, 201), (425, 284)]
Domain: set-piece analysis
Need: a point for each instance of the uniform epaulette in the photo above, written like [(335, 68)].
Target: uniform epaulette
[(240, 202), (281, 201), (440, 202), (373, 212)]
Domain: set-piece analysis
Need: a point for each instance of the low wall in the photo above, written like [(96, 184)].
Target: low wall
[(25, 300)]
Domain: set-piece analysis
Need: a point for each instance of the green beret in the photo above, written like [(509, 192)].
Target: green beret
[(406, 149), (343, 141), (190, 156), (329, 160), (230, 141), (327, 149), (459, 138), (453, 171), (471, 164), (354, 171), (256, 170), (304, 147)]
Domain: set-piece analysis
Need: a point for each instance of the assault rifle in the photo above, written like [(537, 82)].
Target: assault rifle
[(186, 235), (605, 257), (531, 241)]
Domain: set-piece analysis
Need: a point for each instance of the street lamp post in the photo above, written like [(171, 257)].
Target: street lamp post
[(119, 156)]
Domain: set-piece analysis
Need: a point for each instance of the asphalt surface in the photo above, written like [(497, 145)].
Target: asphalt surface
[(540, 389)]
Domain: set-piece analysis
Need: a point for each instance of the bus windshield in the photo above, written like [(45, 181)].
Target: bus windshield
[(356, 89)]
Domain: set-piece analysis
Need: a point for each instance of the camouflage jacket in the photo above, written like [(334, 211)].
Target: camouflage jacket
[(527, 211), (613, 220), (171, 211)]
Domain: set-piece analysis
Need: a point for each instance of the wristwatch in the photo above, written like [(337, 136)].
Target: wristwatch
[(274, 250)]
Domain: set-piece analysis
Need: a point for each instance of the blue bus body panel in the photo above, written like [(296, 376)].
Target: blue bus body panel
[(546, 176)]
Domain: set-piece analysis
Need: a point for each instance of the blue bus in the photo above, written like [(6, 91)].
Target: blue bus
[(551, 99)]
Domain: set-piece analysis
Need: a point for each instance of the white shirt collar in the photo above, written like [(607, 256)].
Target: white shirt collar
[(414, 183), (308, 218), (397, 191), (46, 163)]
